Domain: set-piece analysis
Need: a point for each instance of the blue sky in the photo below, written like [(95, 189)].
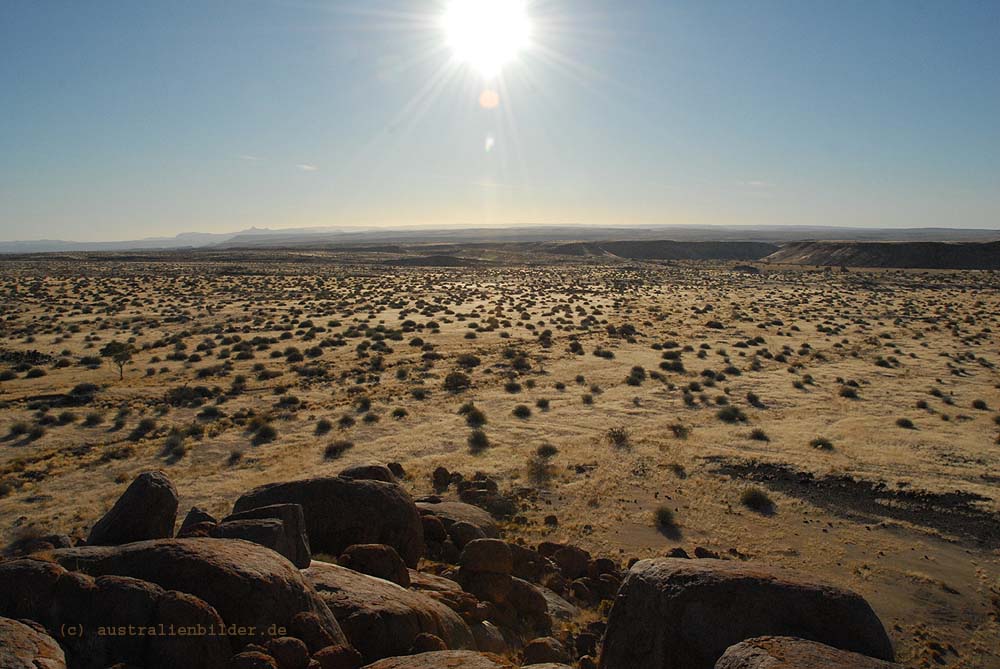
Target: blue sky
[(127, 119)]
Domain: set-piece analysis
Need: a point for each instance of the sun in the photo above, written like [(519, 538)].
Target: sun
[(487, 34)]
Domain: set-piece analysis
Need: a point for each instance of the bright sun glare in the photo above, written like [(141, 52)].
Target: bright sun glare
[(487, 34)]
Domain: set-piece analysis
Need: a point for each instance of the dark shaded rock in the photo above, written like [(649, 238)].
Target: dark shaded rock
[(490, 638), (531, 565), (557, 607), (380, 618), (32, 543), (527, 599), (309, 627), (397, 470), (26, 587), (371, 472), (267, 532), (450, 659), (203, 529), (602, 566), (441, 478), (294, 520), (434, 529), (289, 652), (338, 657), (684, 614), (195, 516), (544, 649), (376, 560), (453, 512), (585, 643), (180, 609), (461, 533), (340, 512), (114, 604), (482, 491), (427, 643), (252, 659), (573, 562), (23, 646), (146, 510), (488, 586), (487, 555), (248, 585), (790, 653)]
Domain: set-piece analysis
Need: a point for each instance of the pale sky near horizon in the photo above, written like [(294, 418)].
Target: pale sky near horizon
[(122, 120)]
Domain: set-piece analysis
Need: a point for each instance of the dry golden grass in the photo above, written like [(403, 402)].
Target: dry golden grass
[(762, 354)]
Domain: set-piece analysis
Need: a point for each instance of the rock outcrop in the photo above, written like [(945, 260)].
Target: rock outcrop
[(447, 659), (790, 653), (23, 646), (146, 510), (293, 541), (380, 618), (110, 619), (340, 512), (683, 614), (250, 586)]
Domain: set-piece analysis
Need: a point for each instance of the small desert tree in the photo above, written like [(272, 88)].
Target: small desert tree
[(120, 354)]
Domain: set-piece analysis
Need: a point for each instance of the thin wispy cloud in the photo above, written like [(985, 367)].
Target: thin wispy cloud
[(306, 167), (249, 158)]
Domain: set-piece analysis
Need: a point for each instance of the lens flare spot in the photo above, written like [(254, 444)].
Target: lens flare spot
[(489, 99)]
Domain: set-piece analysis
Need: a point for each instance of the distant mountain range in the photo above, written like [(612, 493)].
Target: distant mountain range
[(330, 238)]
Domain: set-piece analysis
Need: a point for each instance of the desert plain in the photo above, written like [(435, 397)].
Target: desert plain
[(840, 422)]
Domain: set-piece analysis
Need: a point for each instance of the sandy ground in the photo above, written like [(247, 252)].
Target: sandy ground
[(908, 516)]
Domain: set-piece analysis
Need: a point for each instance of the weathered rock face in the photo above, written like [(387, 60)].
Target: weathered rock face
[(771, 652), (25, 647), (294, 530), (114, 612), (487, 555), (195, 516), (380, 618), (374, 472), (340, 512), (453, 512), (544, 650), (247, 584), (376, 560), (267, 532), (146, 510), (450, 659), (683, 614)]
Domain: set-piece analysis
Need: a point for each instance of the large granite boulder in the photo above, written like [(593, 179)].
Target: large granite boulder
[(683, 614), (770, 652), (380, 618), (23, 646), (340, 512), (294, 537), (250, 586), (376, 560), (454, 512), (107, 620), (146, 510)]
